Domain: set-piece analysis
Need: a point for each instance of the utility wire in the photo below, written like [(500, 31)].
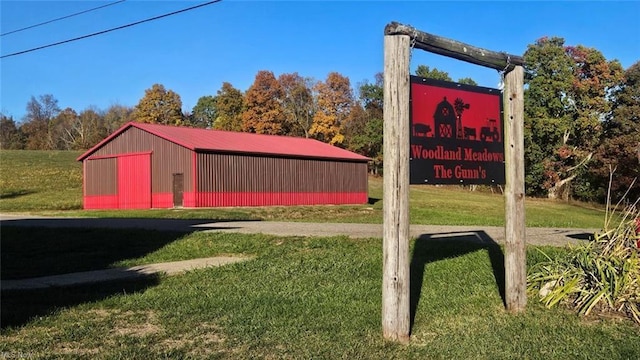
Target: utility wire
[(109, 30), (61, 18)]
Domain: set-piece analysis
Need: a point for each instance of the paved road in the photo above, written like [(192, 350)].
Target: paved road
[(534, 236)]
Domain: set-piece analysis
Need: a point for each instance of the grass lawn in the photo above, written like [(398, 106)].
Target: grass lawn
[(298, 298), (50, 183)]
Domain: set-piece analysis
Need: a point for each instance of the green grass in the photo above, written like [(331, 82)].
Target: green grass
[(50, 183), (40, 180), (301, 298)]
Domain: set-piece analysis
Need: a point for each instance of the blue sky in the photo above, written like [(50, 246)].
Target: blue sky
[(192, 53)]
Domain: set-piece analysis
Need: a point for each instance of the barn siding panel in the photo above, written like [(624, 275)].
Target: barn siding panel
[(244, 180), (100, 177)]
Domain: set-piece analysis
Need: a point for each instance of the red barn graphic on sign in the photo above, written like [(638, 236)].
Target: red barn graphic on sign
[(456, 133)]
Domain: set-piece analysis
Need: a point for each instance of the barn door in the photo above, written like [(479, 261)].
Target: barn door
[(178, 189), (134, 181)]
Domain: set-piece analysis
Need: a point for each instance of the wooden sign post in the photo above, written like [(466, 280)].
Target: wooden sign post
[(398, 42), (395, 251)]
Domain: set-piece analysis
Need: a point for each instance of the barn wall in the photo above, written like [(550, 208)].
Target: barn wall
[(100, 183), (244, 180), (167, 158)]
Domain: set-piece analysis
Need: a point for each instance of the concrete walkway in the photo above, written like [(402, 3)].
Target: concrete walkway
[(88, 277)]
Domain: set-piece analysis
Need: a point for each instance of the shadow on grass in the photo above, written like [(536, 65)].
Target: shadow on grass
[(582, 236), (45, 247), (18, 307), (435, 247), (16, 194), (373, 201)]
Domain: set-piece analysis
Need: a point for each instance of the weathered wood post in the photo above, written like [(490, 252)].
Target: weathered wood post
[(395, 281), (395, 267), (515, 246)]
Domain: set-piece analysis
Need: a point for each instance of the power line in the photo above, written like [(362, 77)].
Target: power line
[(61, 18), (109, 30)]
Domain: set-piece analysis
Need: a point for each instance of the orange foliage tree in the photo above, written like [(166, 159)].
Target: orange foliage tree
[(264, 113), (334, 101)]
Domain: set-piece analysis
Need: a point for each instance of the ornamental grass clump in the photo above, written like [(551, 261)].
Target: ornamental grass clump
[(602, 276)]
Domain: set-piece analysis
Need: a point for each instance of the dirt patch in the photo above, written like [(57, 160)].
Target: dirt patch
[(204, 340), (136, 324)]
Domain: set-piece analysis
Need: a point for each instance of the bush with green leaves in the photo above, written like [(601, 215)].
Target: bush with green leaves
[(601, 276)]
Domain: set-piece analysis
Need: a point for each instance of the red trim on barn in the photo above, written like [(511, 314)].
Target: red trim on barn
[(161, 200), (212, 199), (217, 199), (100, 202), (119, 155), (165, 200)]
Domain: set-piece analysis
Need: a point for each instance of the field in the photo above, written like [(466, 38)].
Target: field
[(50, 183), (299, 297)]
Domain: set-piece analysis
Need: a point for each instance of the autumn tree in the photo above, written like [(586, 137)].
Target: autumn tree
[(159, 106), (59, 129), (204, 114), (334, 102), (10, 135), (363, 128), (620, 147), (298, 103), (229, 105), (264, 113), (87, 130), (36, 122), (561, 123), (115, 116)]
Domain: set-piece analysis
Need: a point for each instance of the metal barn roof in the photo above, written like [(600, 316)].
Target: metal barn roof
[(237, 142)]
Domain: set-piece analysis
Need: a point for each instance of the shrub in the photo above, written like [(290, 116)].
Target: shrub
[(602, 275)]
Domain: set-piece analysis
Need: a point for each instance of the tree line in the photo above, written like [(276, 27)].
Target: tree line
[(582, 118)]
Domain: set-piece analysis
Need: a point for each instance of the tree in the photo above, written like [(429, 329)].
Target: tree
[(60, 130), (116, 116), (566, 100), (35, 126), (620, 147), (204, 113), (363, 128), (264, 113), (87, 129), (159, 106), (298, 103), (425, 72), (334, 101), (10, 135), (229, 106), (467, 81)]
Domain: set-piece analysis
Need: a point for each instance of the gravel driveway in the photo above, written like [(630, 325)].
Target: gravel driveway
[(535, 236)]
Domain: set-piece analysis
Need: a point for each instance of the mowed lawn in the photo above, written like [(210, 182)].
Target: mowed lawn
[(50, 183), (298, 297)]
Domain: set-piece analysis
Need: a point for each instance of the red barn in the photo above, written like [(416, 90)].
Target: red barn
[(143, 166)]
